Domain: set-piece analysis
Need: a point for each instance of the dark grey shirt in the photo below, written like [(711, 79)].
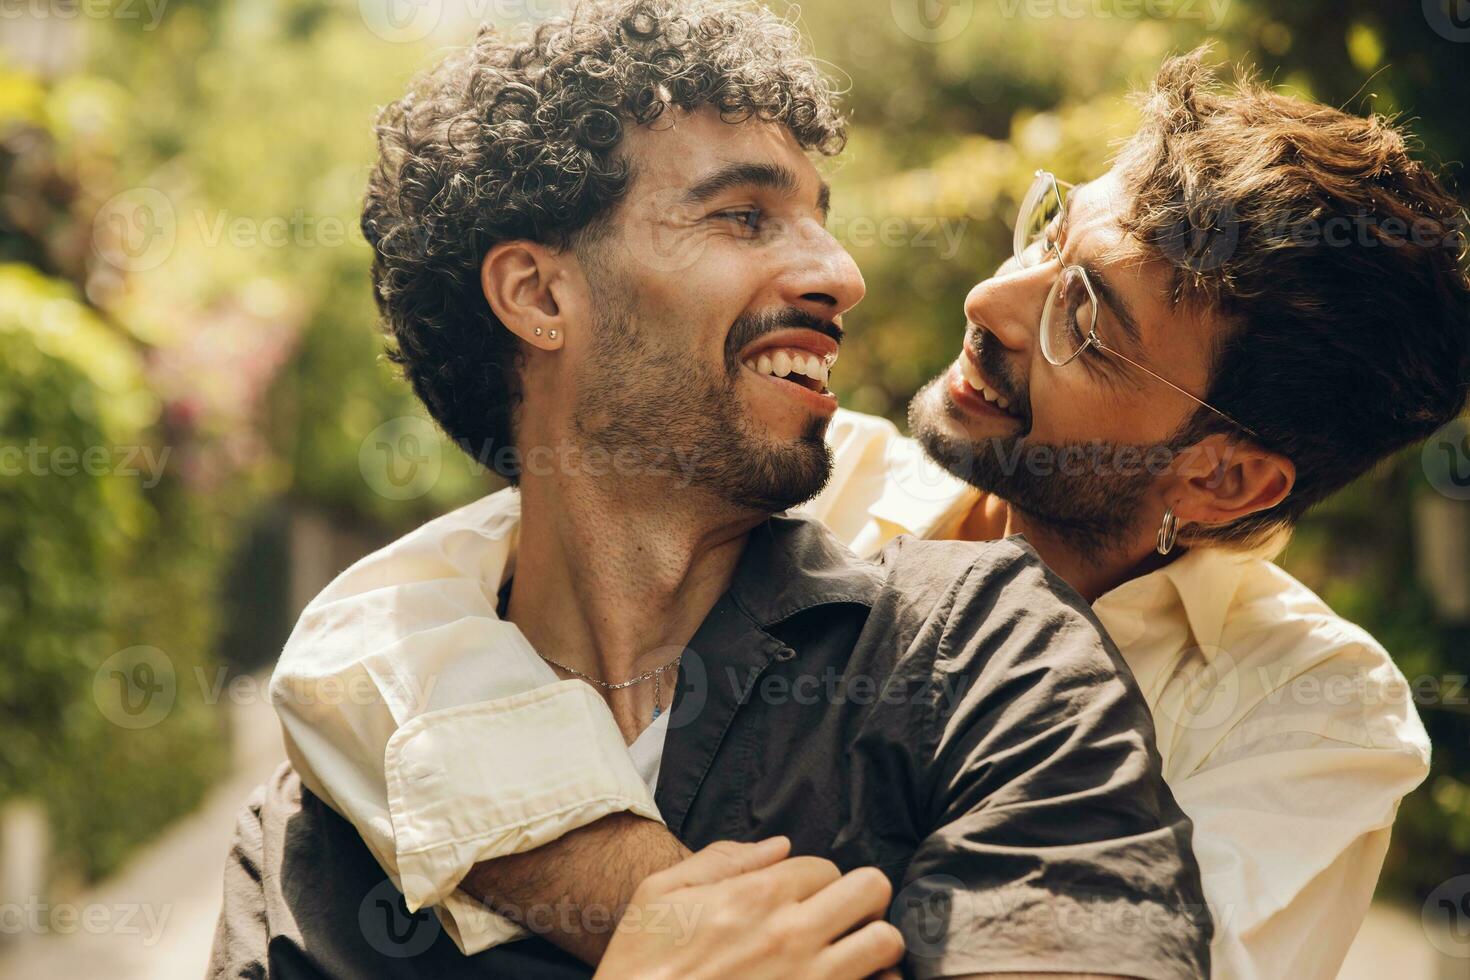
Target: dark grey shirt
[(951, 713)]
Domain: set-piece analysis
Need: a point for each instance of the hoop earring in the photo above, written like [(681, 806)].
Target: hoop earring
[(1168, 532)]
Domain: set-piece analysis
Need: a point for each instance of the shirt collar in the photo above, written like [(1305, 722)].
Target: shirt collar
[(1204, 581), (793, 563), (921, 498)]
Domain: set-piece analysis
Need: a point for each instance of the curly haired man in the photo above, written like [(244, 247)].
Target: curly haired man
[(601, 257)]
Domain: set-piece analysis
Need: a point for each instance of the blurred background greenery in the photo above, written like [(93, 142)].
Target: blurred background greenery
[(182, 281)]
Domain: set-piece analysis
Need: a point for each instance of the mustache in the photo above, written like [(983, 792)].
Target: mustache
[(752, 326), (994, 365)]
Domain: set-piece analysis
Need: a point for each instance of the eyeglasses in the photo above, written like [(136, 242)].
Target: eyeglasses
[(1069, 317)]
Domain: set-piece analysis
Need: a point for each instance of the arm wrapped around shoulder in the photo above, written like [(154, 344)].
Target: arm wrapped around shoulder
[(1054, 844)]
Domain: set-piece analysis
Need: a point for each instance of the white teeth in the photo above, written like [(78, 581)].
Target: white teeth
[(972, 378), (971, 374), (783, 362)]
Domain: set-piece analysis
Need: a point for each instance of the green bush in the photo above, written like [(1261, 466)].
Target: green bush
[(100, 559)]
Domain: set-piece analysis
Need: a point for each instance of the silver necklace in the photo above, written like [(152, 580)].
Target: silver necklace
[(656, 673)]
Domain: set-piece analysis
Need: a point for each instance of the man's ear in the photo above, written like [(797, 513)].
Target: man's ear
[(523, 282), (1221, 479)]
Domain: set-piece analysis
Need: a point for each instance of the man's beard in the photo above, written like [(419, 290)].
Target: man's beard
[(661, 414), (1093, 493)]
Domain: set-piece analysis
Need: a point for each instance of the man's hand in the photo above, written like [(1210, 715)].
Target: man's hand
[(746, 910)]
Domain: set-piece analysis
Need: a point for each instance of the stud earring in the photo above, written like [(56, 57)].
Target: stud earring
[(552, 335), (538, 331)]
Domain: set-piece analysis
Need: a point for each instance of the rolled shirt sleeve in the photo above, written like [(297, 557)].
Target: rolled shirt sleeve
[(1293, 807), (1288, 880), (432, 726)]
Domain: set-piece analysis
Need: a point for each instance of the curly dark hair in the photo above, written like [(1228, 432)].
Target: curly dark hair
[(517, 139), (1340, 348)]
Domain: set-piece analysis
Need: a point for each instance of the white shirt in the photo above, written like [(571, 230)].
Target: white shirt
[(1286, 733)]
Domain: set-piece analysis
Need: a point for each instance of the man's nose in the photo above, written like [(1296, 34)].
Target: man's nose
[(1009, 304), (824, 281)]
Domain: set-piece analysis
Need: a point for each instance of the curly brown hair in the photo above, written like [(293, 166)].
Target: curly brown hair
[(1336, 261), (517, 139)]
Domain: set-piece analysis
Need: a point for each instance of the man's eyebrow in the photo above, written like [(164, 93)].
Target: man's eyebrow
[(1116, 303), (771, 176), (1065, 215)]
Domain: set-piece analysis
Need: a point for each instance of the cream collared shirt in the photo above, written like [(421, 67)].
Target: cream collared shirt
[(1287, 734)]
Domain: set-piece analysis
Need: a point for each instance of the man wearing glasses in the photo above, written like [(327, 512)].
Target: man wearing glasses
[(1179, 360)]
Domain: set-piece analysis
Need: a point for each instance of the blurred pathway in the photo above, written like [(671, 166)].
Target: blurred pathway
[(175, 881)]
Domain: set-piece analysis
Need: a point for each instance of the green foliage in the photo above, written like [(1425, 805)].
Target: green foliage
[(99, 563)]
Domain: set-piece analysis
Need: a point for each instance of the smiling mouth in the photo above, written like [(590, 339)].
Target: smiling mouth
[(972, 377), (795, 366)]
